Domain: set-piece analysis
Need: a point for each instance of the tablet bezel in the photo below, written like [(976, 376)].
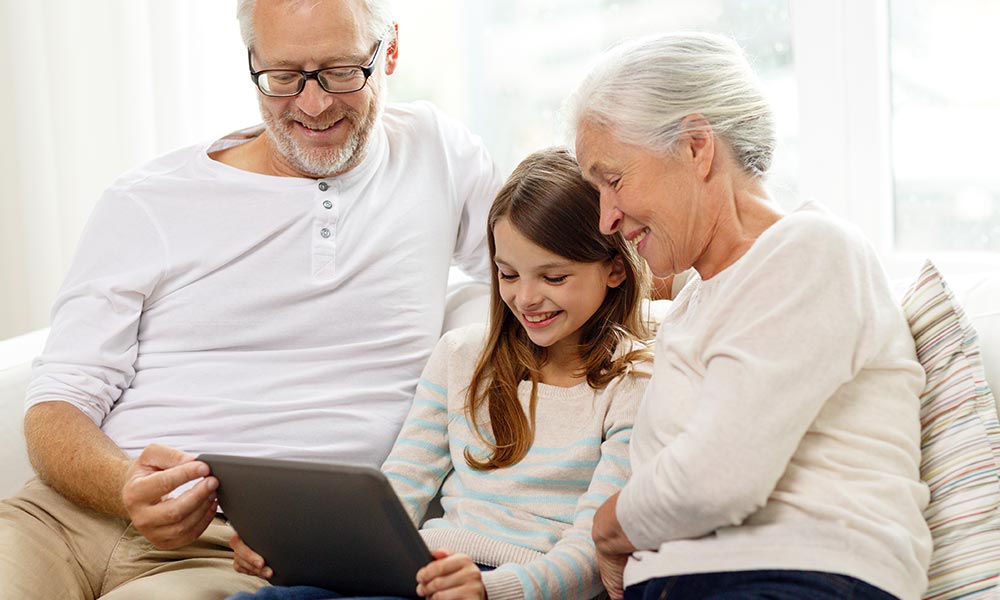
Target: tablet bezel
[(339, 527)]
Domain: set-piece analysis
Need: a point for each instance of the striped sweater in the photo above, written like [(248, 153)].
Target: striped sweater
[(531, 520)]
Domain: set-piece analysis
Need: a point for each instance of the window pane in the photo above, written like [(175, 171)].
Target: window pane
[(946, 120), (516, 60)]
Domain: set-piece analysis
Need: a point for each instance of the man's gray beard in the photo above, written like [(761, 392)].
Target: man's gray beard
[(331, 162)]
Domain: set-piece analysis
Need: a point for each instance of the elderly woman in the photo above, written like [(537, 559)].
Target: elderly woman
[(776, 451)]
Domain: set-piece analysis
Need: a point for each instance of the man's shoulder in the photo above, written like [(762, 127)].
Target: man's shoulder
[(423, 120), (170, 163)]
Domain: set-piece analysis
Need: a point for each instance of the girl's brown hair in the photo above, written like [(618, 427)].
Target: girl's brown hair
[(547, 201)]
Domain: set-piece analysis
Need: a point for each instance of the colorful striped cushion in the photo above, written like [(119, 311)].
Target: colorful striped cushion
[(960, 444)]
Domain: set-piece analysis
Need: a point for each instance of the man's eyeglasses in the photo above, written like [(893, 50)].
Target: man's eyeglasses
[(282, 83)]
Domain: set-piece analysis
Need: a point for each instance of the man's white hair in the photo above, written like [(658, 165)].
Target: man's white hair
[(379, 14)]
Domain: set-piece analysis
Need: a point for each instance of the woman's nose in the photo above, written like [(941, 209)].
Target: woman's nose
[(611, 219)]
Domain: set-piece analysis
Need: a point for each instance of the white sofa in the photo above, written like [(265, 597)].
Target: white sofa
[(979, 294)]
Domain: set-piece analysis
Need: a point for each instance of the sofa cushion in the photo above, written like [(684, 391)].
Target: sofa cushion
[(980, 299), (960, 443)]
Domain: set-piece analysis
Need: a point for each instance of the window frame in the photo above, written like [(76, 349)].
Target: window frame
[(845, 137)]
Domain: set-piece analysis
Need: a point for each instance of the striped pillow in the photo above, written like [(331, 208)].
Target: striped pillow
[(960, 444)]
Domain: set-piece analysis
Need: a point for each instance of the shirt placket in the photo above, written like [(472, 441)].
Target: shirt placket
[(324, 231)]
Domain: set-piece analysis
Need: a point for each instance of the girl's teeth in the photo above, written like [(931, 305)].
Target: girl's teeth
[(538, 318)]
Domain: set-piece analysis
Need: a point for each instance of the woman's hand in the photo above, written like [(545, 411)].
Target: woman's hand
[(613, 547), (450, 577), (247, 561)]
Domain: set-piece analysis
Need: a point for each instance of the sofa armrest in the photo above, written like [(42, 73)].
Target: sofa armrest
[(16, 355)]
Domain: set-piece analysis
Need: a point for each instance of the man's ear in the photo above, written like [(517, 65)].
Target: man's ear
[(699, 143), (392, 53), (617, 274)]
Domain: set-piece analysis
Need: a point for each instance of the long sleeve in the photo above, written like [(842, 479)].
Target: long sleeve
[(569, 569), (90, 354), (420, 459), (772, 346)]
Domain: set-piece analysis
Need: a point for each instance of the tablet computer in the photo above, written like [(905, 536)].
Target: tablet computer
[(339, 527)]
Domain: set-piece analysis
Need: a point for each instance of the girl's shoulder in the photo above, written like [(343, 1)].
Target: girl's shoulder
[(468, 338)]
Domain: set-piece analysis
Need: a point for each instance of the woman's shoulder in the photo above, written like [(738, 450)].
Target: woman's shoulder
[(812, 224), (636, 357), (808, 242)]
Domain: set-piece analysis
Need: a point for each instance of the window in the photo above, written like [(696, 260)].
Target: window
[(521, 58), (945, 125)]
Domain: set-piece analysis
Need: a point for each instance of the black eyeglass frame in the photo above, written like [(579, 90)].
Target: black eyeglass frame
[(366, 70)]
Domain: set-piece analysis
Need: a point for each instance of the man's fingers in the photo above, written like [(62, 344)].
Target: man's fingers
[(178, 521), (162, 457), (151, 488)]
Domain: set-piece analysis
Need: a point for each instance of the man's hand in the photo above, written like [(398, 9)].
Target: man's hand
[(169, 522), (246, 561), (613, 547), (450, 577)]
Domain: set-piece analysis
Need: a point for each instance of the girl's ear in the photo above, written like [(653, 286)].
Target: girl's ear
[(617, 274)]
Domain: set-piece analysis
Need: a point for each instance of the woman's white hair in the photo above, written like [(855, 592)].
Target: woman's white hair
[(642, 90), (379, 14)]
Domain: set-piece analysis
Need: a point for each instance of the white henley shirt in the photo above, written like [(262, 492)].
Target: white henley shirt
[(213, 309)]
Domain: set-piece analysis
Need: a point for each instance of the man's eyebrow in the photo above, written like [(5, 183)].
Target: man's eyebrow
[(326, 64)]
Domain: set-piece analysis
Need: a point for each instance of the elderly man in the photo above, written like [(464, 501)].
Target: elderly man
[(274, 293)]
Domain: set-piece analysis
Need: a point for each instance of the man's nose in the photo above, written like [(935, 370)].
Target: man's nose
[(314, 99)]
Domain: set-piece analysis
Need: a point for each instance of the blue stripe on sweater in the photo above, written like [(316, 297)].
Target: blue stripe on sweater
[(615, 481), (413, 483), (430, 403), (491, 497), (439, 473), (495, 536), (437, 389), (468, 425), (622, 462), (427, 425), (503, 529), (539, 578), (574, 563), (613, 432), (508, 476), (591, 441), (562, 582), (424, 445)]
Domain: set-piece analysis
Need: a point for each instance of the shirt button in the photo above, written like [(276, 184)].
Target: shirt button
[(323, 186), (327, 204), (325, 232)]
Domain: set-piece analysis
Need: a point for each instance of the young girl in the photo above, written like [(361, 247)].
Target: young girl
[(523, 427)]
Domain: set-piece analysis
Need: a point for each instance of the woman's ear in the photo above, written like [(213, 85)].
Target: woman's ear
[(617, 274), (700, 143)]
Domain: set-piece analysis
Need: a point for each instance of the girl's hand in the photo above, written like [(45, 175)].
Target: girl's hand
[(450, 577), (247, 561)]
